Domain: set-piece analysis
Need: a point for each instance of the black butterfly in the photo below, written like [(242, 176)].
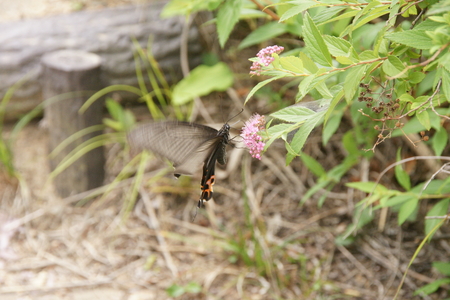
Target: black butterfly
[(187, 146)]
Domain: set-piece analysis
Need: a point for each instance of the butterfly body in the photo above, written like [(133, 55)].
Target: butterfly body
[(187, 146)]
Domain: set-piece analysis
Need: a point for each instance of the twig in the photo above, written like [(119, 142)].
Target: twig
[(31, 288), (154, 224)]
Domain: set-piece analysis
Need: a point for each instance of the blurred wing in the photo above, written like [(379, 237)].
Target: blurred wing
[(187, 145)]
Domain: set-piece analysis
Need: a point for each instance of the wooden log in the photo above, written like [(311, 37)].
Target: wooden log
[(108, 33), (69, 71)]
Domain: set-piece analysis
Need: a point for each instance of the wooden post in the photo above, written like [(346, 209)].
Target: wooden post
[(68, 71)]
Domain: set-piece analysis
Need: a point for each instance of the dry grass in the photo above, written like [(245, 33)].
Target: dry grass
[(253, 242)]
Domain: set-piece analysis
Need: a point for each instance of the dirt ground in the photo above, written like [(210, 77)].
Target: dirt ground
[(253, 241)]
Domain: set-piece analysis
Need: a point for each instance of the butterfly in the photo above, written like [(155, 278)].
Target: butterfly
[(187, 146)]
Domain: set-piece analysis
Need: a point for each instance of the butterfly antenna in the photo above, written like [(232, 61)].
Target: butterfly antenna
[(235, 115)]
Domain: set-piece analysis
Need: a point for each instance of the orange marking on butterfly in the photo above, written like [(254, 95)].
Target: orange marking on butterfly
[(208, 188)]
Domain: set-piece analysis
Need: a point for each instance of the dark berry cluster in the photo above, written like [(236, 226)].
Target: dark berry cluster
[(378, 106)]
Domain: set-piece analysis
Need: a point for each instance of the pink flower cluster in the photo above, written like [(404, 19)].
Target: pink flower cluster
[(249, 134), (265, 58)]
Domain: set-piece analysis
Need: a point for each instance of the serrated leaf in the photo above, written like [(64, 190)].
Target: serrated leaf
[(439, 141), (427, 25), (260, 85), (337, 46), (304, 86), (406, 98), (424, 119), (277, 131), (263, 33), (315, 44), (416, 77), (393, 67), (302, 134), (407, 209), (444, 61), (202, 81), (367, 55), (346, 15), (352, 81), (308, 63), (413, 38), (294, 114), (326, 14), (299, 7), (375, 12), (227, 17), (293, 64), (344, 60), (446, 83)]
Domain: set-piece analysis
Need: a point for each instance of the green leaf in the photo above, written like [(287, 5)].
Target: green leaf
[(313, 165), (346, 15), (326, 14), (442, 267), (294, 114), (352, 81), (263, 33), (446, 83), (315, 44), (202, 81), (292, 64), (401, 175), (260, 85), (407, 210), (114, 108), (367, 187), (338, 46), (396, 200), (439, 209), (227, 17), (308, 63), (331, 126), (302, 134), (175, 290), (374, 13), (277, 131), (350, 144), (305, 85), (424, 119), (416, 77), (184, 8), (299, 7), (413, 38), (193, 287), (393, 66), (432, 287), (439, 141)]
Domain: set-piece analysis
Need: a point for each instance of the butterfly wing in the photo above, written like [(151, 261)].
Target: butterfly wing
[(187, 145)]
